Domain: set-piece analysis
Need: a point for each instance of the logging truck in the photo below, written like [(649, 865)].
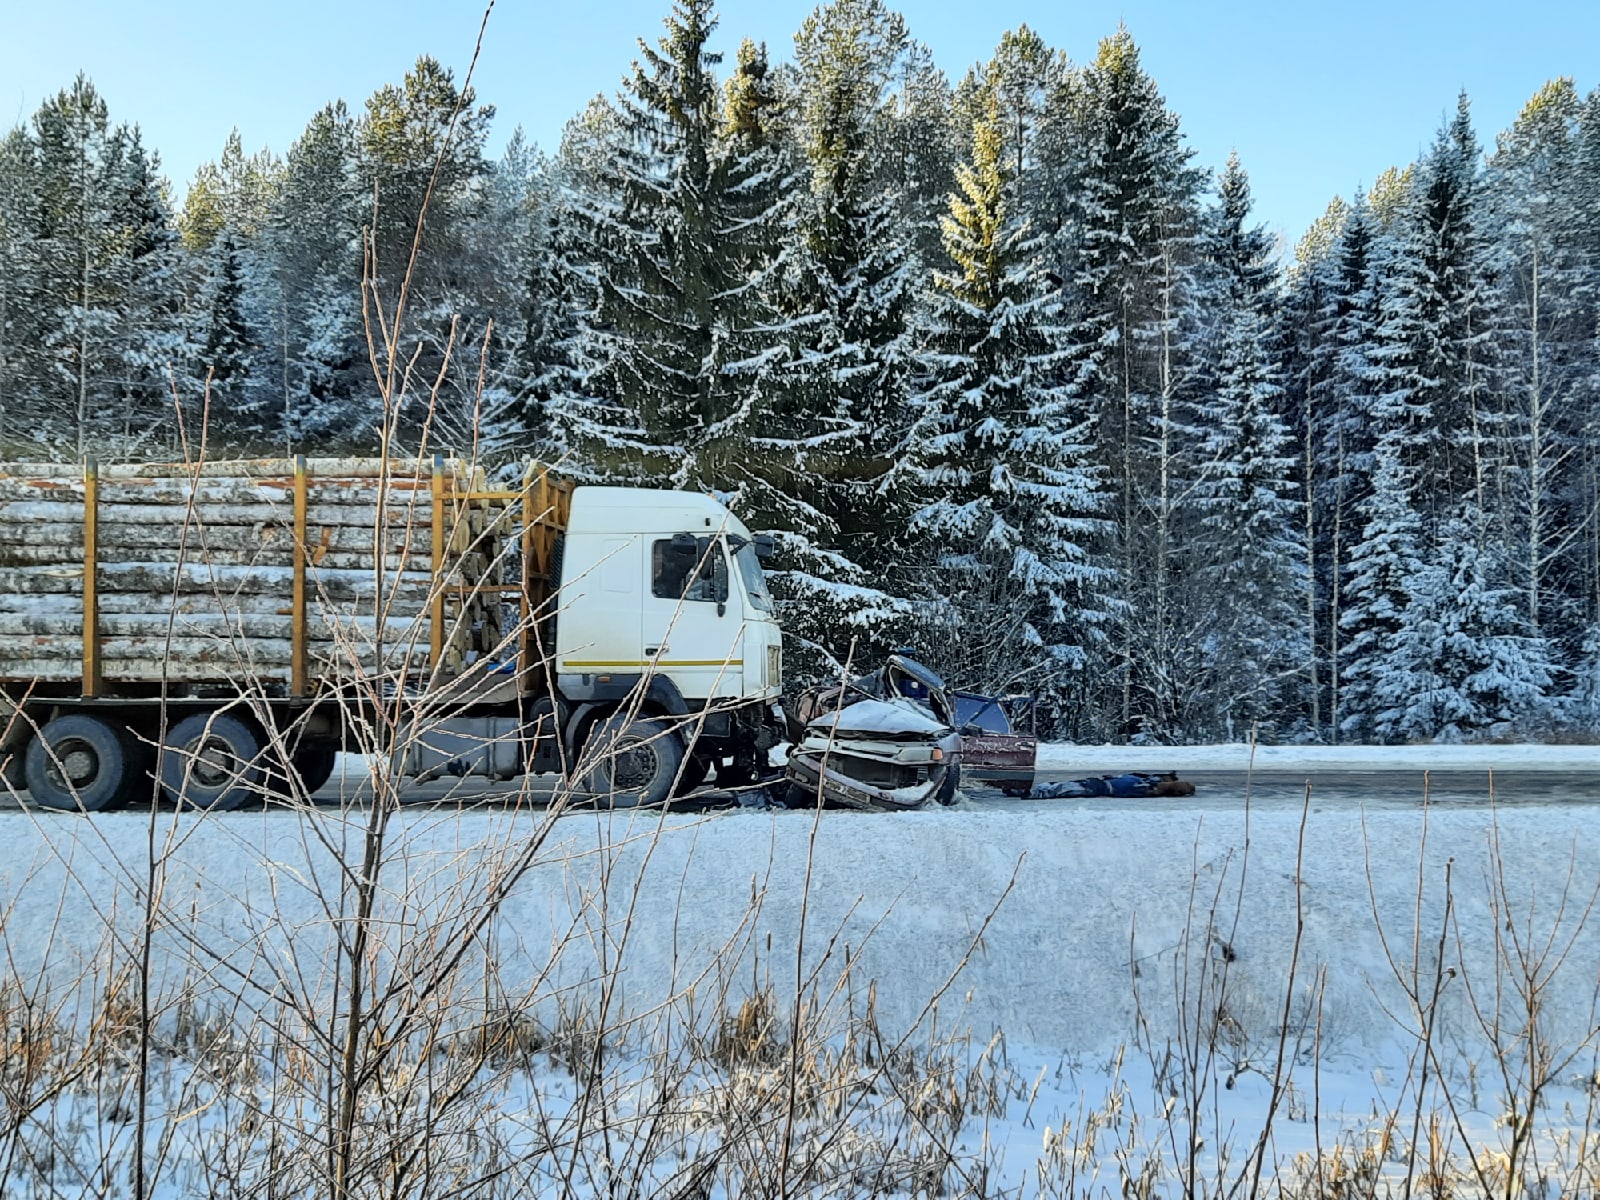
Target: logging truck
[(221, 631)]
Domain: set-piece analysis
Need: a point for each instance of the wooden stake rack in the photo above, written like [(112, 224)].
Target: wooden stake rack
[(297, 571)]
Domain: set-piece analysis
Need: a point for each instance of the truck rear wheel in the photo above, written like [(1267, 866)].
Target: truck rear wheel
[(630, 761), (314, 762), (211, 760), (311, 761), (79, 763)]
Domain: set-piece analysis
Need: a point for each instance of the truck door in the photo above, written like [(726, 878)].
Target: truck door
[(692, 617)]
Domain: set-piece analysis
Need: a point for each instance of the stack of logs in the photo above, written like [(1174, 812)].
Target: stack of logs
[(195, 570)]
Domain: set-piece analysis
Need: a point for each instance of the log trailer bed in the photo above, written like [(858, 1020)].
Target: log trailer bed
[(231, 613)]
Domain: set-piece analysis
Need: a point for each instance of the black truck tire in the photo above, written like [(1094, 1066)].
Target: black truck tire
[(314, 762), (79, 763), (212, 761), (629, 762)]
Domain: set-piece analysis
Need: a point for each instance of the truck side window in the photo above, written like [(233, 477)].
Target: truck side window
[(684, 567)]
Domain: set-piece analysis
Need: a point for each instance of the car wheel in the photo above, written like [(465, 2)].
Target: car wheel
[(800, 796), (630, 761), (948, 785), (79, 763), (211, 761)]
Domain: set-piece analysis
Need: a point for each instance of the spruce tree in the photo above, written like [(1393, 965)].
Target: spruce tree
[(1343, 442), (420, 157), (1461, 665), (156, 343), (223, 222), (841, 435), (1302, 335), (1126, 252), (23, 414), (914, 148), (315, 377), (858, 269), (1249, 555), (107, 292), (1008, 500), (681, 332), (1437, 339), (222, 339), (543, 323), (1384, 565)]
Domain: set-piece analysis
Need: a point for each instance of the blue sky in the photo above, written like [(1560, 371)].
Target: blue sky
[(1317, 99)]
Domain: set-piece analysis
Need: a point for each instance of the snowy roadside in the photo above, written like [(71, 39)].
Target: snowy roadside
[(1093, 898), (1122, 970), (1066, 758)]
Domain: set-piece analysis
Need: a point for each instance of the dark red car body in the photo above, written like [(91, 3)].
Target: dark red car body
[(999, 740)]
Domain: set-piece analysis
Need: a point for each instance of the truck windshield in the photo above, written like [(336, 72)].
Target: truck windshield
[(755, 583)]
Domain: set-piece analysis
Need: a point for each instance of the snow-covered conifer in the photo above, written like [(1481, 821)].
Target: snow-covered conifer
[(1009, 495), (315, 382), (1547, 348), (108, 296), (682, 329), (845, 419), (1384, 565), (1126, 250), (1437, 343), (24, 414), (1461, 665)]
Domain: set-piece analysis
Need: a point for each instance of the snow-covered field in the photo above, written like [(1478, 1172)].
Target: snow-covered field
[(1058, 1001)]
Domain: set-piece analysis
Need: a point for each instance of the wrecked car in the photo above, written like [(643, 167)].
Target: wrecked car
[(999, 740), (882, 742)]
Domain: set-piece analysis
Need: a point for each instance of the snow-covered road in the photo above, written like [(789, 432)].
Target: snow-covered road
[(1227, 777)]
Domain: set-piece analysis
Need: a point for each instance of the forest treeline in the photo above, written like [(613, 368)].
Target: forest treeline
[(1011, 376)]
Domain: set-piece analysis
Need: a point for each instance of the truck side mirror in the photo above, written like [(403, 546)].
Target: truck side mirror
[(718, 564), (766, 545)]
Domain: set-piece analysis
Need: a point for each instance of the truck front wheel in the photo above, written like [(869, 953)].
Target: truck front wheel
[(630, 761), (80, 763)]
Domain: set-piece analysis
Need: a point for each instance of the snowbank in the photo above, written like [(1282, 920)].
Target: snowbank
[(1065, 758), (1066, 928)]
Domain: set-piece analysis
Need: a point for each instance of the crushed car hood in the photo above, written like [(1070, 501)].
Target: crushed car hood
[(891, 720)]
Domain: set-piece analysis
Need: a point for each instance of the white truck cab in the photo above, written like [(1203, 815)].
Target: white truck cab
[(666, 584), (668, 660)]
